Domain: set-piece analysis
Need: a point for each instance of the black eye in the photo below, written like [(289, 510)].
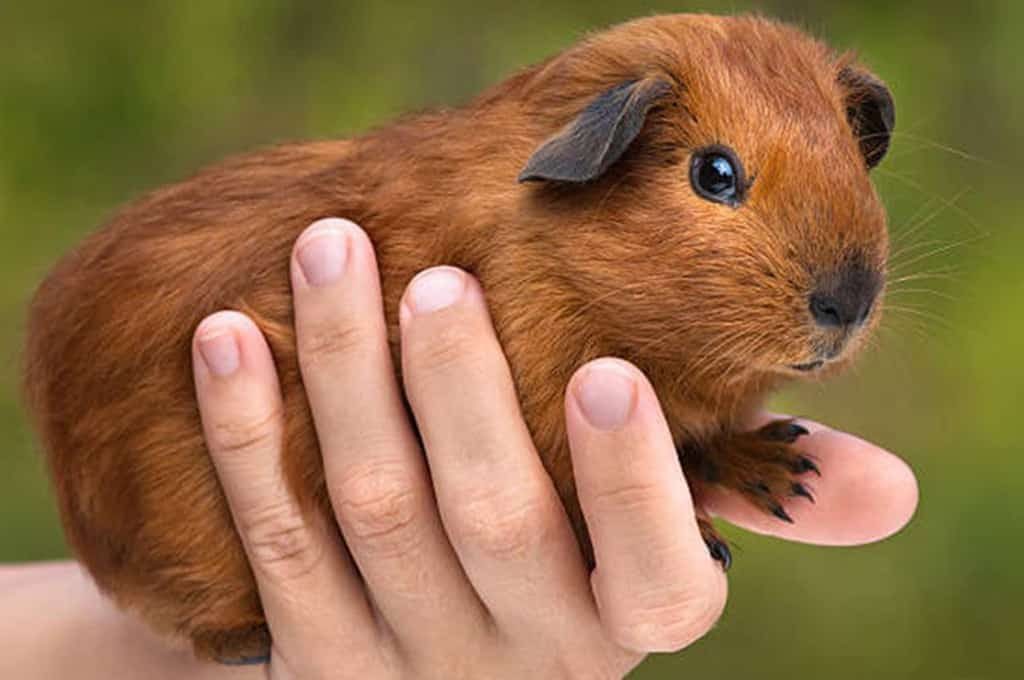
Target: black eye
[(716, 174)]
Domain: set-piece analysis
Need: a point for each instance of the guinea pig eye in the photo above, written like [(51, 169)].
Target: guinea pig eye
[(716, 174)]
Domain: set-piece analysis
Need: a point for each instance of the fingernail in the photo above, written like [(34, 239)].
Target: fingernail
[(436, 289), (219, 350), (322, 253), (606, 394)]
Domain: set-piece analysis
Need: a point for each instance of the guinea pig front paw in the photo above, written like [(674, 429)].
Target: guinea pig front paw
[(765, 466)]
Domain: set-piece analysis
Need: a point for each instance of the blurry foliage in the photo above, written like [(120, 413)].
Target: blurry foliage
[(98, 103)]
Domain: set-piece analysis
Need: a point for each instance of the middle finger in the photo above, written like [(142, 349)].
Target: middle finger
[(375, 470), (497, 502)]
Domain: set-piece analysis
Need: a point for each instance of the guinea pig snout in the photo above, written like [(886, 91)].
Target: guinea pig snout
[(843, 299)]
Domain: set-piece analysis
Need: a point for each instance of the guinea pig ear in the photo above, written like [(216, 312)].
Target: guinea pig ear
[(585, 148), (871, 112)]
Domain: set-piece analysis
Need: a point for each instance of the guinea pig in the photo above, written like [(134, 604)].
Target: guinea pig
[(689, 193)]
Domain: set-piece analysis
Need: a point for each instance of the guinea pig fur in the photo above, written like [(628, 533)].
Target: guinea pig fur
[(689, 193)]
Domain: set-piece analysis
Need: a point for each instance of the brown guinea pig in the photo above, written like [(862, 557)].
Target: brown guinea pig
[(690, 193)]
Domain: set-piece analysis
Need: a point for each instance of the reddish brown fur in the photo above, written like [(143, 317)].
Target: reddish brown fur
[(707, 300)]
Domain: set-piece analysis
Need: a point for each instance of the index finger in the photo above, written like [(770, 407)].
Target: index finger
[(864, 493)]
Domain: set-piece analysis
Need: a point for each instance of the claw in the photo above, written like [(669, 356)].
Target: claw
[(781, 513), (799, 489), (804, 464), (795, 431), (720, 553), (787, 431)]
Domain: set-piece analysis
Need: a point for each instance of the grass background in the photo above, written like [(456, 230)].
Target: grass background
[(101, 100)]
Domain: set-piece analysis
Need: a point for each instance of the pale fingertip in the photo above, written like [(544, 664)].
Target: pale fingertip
[(901, 486), (432, 290), (227, 319), (868, 494), (324, 251), (218, 341), (322, 257), (219, 351), (605, 391), (326, 225)]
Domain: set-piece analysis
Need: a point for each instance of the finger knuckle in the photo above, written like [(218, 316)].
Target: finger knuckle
[(634, 498), (502, 528), (327, 342), (249, 434), (666, 621), (454, 346), (377, 505), (280, 540)]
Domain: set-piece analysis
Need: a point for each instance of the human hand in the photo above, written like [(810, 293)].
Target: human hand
[(461, 562)]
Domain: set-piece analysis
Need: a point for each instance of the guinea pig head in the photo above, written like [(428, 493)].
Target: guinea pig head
[(725, 225)]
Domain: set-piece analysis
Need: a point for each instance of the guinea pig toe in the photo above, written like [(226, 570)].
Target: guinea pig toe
[(717, 547), (804, 464), (800, 490), (720, 553), (787, 431), (780, 512)]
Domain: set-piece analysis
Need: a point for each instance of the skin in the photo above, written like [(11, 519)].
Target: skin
[(456, 563)]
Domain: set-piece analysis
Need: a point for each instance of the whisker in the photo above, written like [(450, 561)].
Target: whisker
[(942, 274), (944, 204), (917, 326), (937, 251), (920, 188), (960, 153), (912, 224), (922, 291), (896, 256), (924, 314)]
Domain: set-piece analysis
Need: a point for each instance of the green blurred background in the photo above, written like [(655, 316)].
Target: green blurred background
[(98, 103)]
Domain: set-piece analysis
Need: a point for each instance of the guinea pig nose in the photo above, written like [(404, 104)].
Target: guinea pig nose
[(844, 298)]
